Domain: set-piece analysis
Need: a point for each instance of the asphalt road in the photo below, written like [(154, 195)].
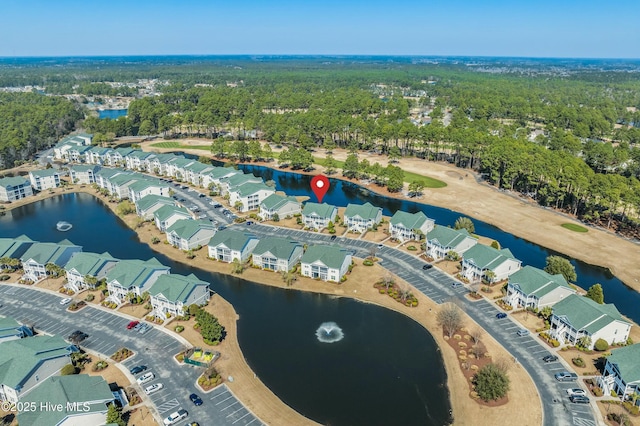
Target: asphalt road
[(155, 349)]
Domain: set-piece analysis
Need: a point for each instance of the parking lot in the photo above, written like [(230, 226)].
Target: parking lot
[(107, 333)]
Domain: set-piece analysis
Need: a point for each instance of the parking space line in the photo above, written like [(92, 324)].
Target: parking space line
[(231, 405), (220, 402), (237, 420)]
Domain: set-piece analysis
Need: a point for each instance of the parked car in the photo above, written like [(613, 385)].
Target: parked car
[(333, 237), (175, 417), (195, 399), (550, 358), (576, 392), (153, 388), (65, 301), (249, 223), (137, 327), (144, 328), (523, 332), (217, 205), (201, 195), (455, 284), (427, 266), (501, 315), (565, 376), (146, 377), (78, 336), (577, 399), (138, 369), (132, 324)]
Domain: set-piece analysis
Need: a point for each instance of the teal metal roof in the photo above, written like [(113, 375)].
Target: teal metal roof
[(134, 272), (276, 201), (63, 390), (165, 212), (14, 247), (220, 172), (142, 184), (366, 211), (447, 237), (241, 179), (485, 257), (536, 282), (281, 248), (232, 239), (187, 228), (44, 253), (408, 220), (247, 189), (82, 168), (7, 182), (150, 200), (332, 256), (323, 210), (45, 172), (585, 314), (87, 263), (627, 359), (176, 288)]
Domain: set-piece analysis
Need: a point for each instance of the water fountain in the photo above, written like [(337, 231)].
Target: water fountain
[(329, 332), (63, 226)]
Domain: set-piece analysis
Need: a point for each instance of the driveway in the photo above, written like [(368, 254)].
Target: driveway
[(155, 349)]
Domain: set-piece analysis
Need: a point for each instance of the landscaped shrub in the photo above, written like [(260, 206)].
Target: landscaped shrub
[(4, 277), (100, 365), (179, 329), (367, 262), (68, 370), (90, 297), (601, 345), (412, 248), (597, 391), (578, 362)]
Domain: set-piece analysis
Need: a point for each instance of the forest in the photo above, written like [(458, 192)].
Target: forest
[(566, 137)]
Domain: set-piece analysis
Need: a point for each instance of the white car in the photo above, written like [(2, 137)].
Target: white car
[(146, 377), (175, 417), (576, 392), (65, 301), (153, 388)]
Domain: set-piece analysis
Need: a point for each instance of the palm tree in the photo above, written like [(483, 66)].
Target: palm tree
[(53, 269), (236, 266), (9, 263), (289, 277), (90, 281)]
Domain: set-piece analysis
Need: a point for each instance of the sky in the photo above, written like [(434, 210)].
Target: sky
[(520, 28)]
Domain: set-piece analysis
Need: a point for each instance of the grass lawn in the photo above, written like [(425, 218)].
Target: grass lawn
[(575, 228), (408, 176), (178, 145)]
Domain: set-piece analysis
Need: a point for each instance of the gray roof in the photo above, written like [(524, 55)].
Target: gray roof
[(281, 248), (232, 239), (331, 256)]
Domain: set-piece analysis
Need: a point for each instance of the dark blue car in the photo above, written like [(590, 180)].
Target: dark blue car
[(501, 315), (195, 399)]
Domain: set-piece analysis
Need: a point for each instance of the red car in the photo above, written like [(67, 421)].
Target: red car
[(132, 324)]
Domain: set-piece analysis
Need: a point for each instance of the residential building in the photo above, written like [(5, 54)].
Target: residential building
[(622, 374), (279, 205), (229, 244), (147, 186), (120, 183), (28, 362), (14, 188), (576, 317), (83, 400), (195, 172), (173, 294), (61, 149), (133, 277), (188, 234), (44, 179), (277, 254), (327, 263), (213, 179), (534, 288), (236, 180), (10, 329), (360, 217), (97, 155), (317, 216), (159, 164), (405, 226), (248, 196), (14, 248), (486, 263), (442, 240), (35, 259), (177, 168), (118, 155), (149, 204), (83, 174), (135, 160), (77, 154), (167, 215), (86, 264)]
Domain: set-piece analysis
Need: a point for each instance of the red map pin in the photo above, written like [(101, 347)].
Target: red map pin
[(320, 186)]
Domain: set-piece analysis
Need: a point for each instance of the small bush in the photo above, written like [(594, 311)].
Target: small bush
[(601, 345), (367, 262), (90, 297), (597, 391), (579, 362), (4, 277), (179, 329), (68, 370), (412, 248)]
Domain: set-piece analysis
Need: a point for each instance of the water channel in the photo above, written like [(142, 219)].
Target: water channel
[(383, 369)]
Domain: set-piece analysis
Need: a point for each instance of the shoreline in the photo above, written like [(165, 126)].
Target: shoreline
[(267, 406), (511, 214)]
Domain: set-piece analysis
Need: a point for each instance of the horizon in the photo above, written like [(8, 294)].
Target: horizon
[(569, 29)]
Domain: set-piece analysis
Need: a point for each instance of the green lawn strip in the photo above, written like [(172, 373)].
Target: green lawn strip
[(408, 176), (575, 228), (178, 145)]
